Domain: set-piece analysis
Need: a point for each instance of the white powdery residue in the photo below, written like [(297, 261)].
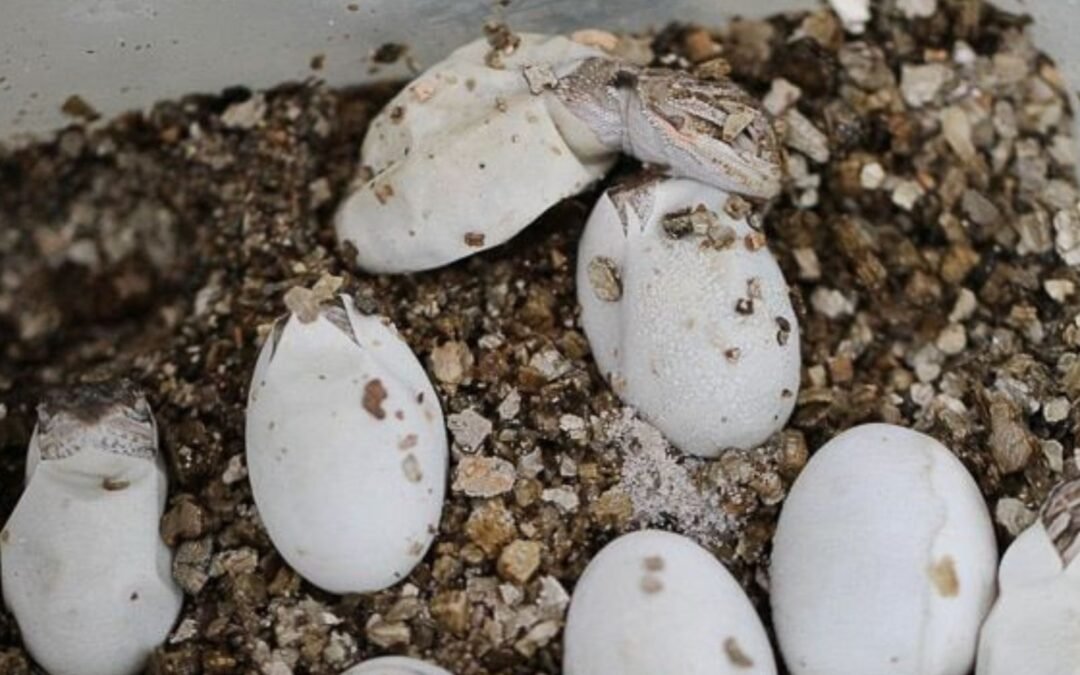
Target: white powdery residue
[(659, 481)]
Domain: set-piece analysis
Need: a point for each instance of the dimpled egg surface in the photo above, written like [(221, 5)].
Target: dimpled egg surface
[(346, 449), (467, 155), (395, 665), (883, 559), (688, 314), (654, 602)]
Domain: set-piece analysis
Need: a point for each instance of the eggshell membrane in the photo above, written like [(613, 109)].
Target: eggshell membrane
[(663, 344), (85, 571), (883, 559), (466, 157), (694, 615), (395, 665), (330, 479)]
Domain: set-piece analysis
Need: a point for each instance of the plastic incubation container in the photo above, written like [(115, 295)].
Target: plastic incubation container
[(119, 55)]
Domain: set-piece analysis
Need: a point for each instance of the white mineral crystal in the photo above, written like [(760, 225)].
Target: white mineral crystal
[(883, 559), (1034, 626), (85, 571), (466, 156), (688, 314), (395, 665), (346, 449), (653, 603), (854, 14)]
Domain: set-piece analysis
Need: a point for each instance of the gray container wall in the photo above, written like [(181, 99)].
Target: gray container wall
[(126, 54)]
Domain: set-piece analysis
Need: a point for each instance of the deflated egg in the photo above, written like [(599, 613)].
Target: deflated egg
[(346, 449), (469, 154), (85, 571), (883, 560), (652, 602), (688, 314)]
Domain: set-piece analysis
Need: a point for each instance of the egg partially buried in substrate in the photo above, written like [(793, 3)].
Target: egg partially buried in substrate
[(85, 571), (468, 155), (395, 665), (883, 560), (653, 602), (346, 449), (688, 314)]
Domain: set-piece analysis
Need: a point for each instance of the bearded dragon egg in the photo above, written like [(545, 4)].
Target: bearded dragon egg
[(395, 665), (1034, 626), (688, 314), (85, 571), (469, 154), (346, 449), (654, 602), (883, 559)]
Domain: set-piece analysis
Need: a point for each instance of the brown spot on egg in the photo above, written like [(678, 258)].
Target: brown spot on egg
[(115, 484), (384, 192), (736, 655), (653, 563), (651, 584), (374, 395), (474, 239), (411, 468), (783, 333), (943, 576), (408, 442), (754, 241)]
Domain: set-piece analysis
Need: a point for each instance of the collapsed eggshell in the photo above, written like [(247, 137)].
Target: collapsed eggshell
[(395, 665), (883, 560), (1034, 626), (695, 331), (654, 602), (85, 571), (346, 449), (466, 156)]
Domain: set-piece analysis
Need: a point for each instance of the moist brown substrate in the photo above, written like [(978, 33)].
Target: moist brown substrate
[(159, 247)]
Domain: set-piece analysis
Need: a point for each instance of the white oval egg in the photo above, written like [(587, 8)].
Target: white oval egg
[(696, 331), (395, 665), (1034, 626), (85, 572), (346, 449), (883, 560), (467, 155), (653, 602)]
